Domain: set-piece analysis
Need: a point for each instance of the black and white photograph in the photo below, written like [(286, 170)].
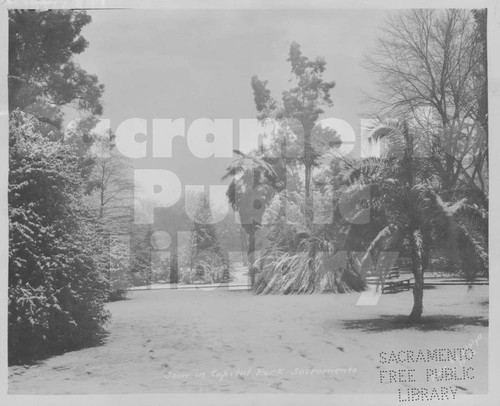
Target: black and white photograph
[(249, 199)]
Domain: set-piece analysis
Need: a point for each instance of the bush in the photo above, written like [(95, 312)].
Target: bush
[(57, 291), (209, 267), (304, 262), (300, 272), (116, 295)]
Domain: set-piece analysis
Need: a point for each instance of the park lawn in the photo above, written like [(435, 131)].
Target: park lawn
[(236, 342)]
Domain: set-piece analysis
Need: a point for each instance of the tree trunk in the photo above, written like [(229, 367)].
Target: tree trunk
[(174, 260), (308, 163), (419, 257), (418, 290), (244, 247), (251, 254), (307, 203), (107, 264)]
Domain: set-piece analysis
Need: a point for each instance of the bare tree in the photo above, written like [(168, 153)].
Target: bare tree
[(110, 188), (429, 68), (111, 182)]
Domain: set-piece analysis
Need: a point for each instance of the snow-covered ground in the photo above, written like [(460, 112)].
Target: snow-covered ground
[(221, 340)]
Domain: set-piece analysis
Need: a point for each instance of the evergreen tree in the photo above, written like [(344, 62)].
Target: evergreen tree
[(57, 290), (304, 103), (42, 72), (206, 257)]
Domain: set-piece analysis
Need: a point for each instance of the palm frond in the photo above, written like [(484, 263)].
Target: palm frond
[(365, 170), (386, 128), (473, 252), (396, 136), (387, 232), (474, 216), (418, 241)]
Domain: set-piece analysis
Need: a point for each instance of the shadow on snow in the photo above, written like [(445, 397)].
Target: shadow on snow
[(427, 323)]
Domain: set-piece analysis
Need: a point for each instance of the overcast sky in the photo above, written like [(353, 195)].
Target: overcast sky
[(198, 63)]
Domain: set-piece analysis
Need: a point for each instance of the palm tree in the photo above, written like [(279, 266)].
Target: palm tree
[(256, 179), (404, 195)]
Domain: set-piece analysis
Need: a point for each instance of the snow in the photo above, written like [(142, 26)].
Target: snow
[(225, 341)]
